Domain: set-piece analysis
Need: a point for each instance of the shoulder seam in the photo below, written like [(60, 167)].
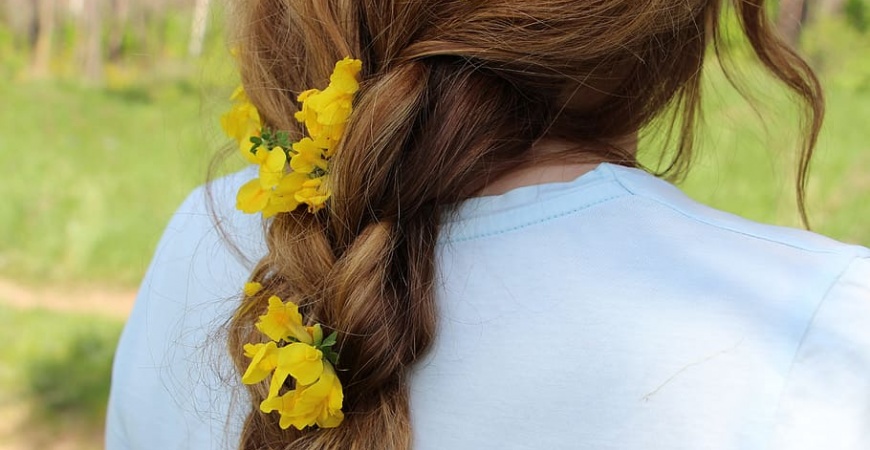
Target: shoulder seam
[(853, 253)]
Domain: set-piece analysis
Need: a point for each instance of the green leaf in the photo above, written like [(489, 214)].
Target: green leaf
[(283, 139), (330, 340), (331, 356)]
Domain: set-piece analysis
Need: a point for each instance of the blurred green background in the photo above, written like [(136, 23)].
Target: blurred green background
[(110, 119)]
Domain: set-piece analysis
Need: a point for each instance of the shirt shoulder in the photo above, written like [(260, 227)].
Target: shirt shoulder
[(826, 399), (170, 371), (641, 184)]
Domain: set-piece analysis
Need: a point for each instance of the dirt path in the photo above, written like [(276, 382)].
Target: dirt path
[(112, 302), (18, 433)]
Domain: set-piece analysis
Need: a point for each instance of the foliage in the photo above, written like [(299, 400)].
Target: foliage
[(75, 380), (856, 14), (145, 41), (59, 362), (841, 66)]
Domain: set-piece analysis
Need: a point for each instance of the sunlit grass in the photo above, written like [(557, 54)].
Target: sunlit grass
[(93, 175)]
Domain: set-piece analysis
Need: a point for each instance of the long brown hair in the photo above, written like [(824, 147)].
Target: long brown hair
[(454, 94)]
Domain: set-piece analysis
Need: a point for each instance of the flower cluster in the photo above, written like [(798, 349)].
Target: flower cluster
[(297, 351), (325, 114)]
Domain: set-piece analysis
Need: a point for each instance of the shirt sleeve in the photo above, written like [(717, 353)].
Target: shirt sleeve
[(826, 399), (173, 386)]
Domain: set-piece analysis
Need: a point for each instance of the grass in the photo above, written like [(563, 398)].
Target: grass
[(58, 363), (95, 174)]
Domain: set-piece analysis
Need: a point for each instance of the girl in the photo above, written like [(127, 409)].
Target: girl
[(468, 216)]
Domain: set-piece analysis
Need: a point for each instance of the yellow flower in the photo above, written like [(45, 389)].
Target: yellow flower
[(314, 193), (308, 157), (331, 415), (318, 404), (252, 197), (272, 164), (325, 113), (283, 197), (317, 110), (270, 192), (283, 321), (332, 106), (242, 122), (264, 359), (301, 361), (252, 288), (307, 115), (345, 76)]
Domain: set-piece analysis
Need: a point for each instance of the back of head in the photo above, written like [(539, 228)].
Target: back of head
[(454, 94)]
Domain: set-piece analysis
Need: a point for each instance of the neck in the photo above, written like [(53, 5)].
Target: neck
[(548, 167)]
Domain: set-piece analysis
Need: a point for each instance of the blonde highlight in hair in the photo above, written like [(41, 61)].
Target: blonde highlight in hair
[(454, 94)]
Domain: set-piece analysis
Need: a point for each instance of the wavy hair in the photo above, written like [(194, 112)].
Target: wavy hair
[(454, 94)]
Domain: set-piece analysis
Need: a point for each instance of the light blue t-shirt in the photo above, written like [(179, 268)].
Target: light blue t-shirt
[(610, 312)]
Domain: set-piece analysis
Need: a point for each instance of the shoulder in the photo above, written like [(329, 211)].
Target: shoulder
[(644, 186), (807, 271), (207, 249), (825, 402), (824, 399), (170, 372)]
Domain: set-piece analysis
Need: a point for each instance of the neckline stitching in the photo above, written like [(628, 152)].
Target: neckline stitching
[(533, 223)]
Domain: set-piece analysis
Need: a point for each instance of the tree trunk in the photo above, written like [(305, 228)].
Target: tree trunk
[(120, 19), (91, 46), (19, 17), (41, 61), (198, 27), (790, 19)]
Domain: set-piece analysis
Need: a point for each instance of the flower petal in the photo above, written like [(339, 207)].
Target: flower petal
[(242, 122), (345, 76), (283, 321), (302, 361), (308, 157), (272, 169), (252, 198), (252, 288), (265, 360), (314, 193)]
